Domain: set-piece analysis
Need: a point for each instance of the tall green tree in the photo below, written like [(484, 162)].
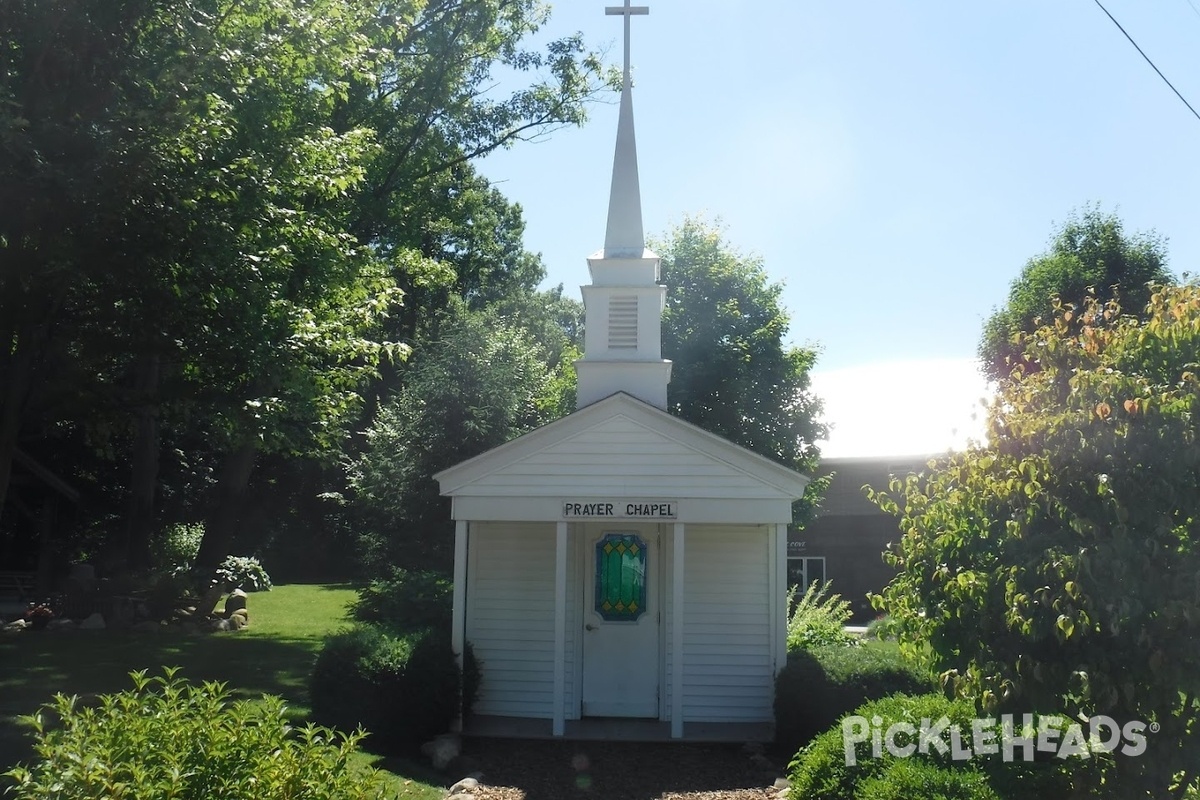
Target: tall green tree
[(479, 384), (1056, 569), (1091, 256), (733, 373), (210, 209)]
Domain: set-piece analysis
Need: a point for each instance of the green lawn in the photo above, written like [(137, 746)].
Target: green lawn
[(273, 656)]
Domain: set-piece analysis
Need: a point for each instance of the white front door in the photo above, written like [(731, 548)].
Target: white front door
[(621, 621)]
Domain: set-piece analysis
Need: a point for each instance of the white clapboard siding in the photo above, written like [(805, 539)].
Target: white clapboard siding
[(510, 617), (727, 667), (619, 456), (570, 700)]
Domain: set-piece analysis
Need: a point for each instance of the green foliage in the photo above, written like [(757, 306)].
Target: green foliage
[(820, 772), (879, 628), (475, 387), (1090, 256), (245, 573), (166, 738), (406, 600), (403, 687), (818, 618), (905, 779), (816, 687), (176, 547), (214, 208), (724, 328), (1057, 568)]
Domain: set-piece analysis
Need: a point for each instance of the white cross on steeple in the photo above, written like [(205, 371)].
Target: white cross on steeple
[(626, 11)]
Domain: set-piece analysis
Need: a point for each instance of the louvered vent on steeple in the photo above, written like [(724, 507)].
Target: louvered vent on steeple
[(623, 322), (623, 304)]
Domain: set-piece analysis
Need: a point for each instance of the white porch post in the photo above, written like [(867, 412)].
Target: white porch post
[(560, 627), (458, 625), (677, 632), (780, 599)]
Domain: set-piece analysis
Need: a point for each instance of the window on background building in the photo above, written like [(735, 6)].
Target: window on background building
[(805, 571)]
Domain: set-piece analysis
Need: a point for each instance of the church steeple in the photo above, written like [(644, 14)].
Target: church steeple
[(625, 237), (624, 303)]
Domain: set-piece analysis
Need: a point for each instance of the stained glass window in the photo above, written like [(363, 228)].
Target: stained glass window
[(620, 577)]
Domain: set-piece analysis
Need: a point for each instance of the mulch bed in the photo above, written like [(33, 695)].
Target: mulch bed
[(555, 770)]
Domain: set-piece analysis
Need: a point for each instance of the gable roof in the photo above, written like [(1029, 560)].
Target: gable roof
[(621, 444)]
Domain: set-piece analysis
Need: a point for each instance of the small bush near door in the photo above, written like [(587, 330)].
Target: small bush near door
[(820, 685), (402, 687), (167, 738)]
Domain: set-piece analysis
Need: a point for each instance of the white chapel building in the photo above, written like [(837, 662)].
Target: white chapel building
[(620, 569)]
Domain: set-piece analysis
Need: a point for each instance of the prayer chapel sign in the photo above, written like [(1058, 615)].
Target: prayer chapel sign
[(620, 509)]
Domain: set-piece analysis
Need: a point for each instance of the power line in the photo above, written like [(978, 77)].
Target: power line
[(1193, 5), (1148, 61)]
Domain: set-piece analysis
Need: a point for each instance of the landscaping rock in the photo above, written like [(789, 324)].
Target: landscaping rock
[(782, 783), (239, 619), (465, 786), (235, 602), (61, 624), (16, 626), (93, 623), (442, 750)]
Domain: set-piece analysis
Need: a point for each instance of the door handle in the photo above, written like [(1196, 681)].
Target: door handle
[(589, 627)]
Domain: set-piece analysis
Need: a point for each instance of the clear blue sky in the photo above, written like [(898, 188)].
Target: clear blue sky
[(894, 162)]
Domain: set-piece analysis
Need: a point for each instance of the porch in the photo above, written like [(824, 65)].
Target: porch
[(616, 729)]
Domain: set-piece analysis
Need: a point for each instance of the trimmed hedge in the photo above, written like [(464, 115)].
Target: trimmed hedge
[(403, 688), (819, 770), (819, 686)]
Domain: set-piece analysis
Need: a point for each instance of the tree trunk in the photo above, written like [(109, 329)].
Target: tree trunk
[(18, 378), (230, 496), (139, 524), (47, 522)]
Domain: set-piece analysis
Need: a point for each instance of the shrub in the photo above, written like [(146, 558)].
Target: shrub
[(245, 573), (1056, 567), (817, 618), (166, 738), (905, 779), (818, 686), (819, 770), (406, 600), (404, 688), (176, 547), (165, 592), (879, 628)]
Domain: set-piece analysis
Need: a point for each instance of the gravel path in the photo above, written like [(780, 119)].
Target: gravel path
[(544, 770)]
